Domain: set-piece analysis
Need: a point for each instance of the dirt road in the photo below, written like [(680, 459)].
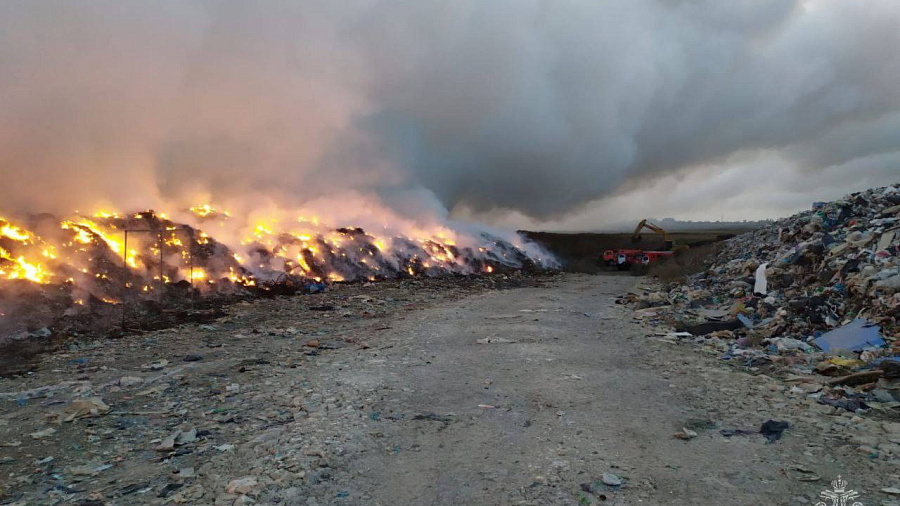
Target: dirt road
[(522, 396), (580, 392)]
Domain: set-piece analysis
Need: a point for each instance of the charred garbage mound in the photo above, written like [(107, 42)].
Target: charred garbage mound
[(819, 290), (110, 272)]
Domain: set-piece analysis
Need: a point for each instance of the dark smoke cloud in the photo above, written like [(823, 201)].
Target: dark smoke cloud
[(538, 108)]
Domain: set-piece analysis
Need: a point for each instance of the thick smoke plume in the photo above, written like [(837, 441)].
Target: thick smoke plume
[(362, 111)]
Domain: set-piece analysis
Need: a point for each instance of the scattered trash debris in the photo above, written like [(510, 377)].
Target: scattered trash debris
[(685, 434), (855, 336), (815, 293), (860, 378), (83, 408), (43, 434), (312, 288), (243, 485), (186, 437), (838, 400), (737, 432), (433, 417), (167, 444), (156, 366), (611, 480), (801, 473), (503, 317), (761, 285), (702, 329), (773, 430), (493, 340)]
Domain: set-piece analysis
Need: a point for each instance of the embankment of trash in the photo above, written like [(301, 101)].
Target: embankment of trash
[(817, 292)]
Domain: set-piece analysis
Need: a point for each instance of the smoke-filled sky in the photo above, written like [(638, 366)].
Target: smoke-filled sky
[(524, 113)]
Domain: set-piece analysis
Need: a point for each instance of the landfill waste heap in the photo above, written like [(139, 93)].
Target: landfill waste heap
[(818, 292), (92, 273)]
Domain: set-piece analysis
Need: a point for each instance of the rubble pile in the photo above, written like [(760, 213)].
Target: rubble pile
[(108, 272), (818, 291)]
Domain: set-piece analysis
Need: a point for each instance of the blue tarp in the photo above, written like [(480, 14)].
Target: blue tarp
[(855, 336)]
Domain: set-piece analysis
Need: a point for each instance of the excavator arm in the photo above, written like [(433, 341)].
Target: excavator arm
[(636, 236)]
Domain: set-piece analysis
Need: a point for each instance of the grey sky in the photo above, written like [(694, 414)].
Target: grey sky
[(552, 114)]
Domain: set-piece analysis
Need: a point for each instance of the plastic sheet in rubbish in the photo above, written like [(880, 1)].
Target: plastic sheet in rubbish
[(760, 286), (855, 336)]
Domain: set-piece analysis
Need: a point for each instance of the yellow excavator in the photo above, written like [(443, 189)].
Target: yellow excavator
[(636, 236)]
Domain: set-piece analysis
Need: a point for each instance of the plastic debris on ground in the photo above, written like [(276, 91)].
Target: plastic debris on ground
[(817, 293), (855, 336)]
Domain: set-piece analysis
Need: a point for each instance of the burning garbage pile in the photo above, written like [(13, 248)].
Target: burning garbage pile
[(86, 263), (96, 256), (818, 291)]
